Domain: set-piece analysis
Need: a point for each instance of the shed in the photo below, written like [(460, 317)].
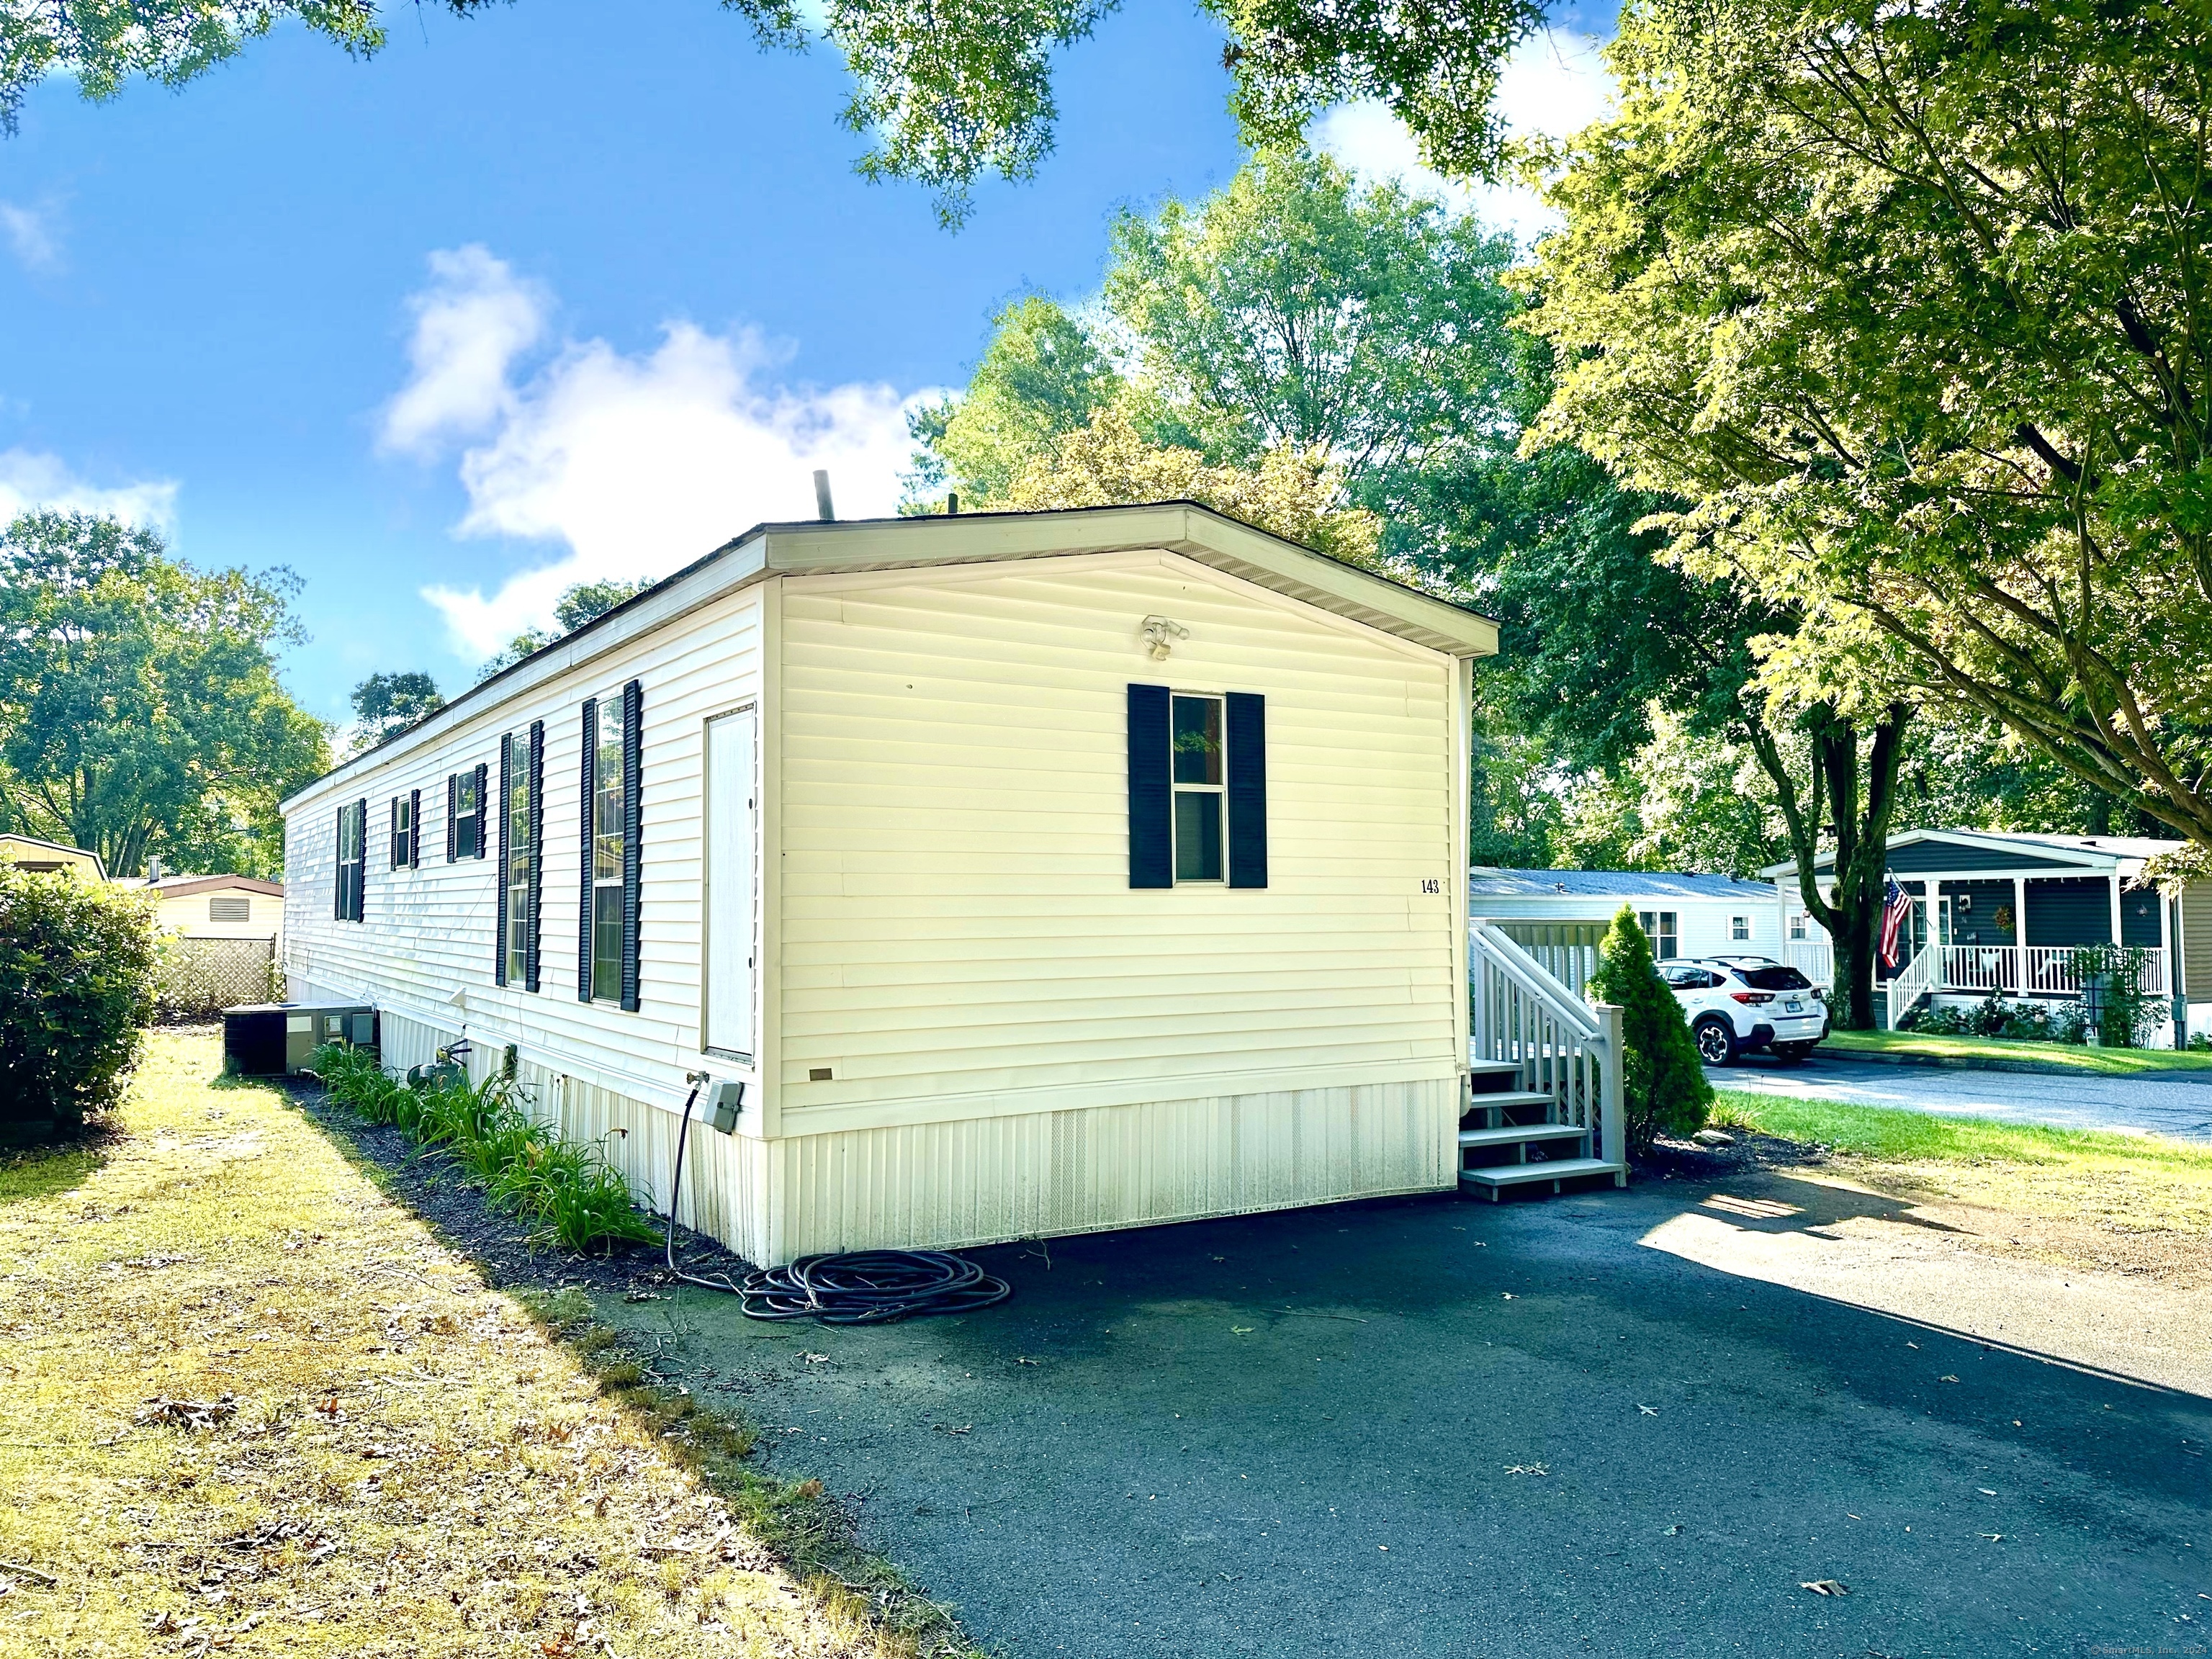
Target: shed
[(1036, 873)]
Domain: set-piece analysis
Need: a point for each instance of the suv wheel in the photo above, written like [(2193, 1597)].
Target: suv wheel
[(1716, 1042)]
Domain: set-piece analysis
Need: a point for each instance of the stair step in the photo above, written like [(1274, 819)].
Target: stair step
[(1513, 1133), (1510, 1097), (1515, 1175), (1491, 1067)]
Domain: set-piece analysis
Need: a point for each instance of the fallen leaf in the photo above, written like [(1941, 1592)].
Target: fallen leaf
[(1986, 1491), (1240, 1330), (807, 1489), (1993, 1537), (1946, 1379), (818, 1358), (1674, 1531), (1648, 1410), (1826, 1587)]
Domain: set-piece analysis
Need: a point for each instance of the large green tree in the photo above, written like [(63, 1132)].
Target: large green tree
[(1907, 306), (946, 96), (140, 707)]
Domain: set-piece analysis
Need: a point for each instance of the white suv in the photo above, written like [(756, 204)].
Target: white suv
[(1735, 1004)]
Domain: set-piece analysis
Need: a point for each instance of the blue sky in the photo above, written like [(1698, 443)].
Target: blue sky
[(526, 298)]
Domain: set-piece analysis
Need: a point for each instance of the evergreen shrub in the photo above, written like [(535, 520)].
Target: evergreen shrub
[(1663, 1086), (78, 968)]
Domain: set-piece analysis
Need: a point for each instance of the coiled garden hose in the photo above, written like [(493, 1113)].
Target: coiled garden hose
[(857, 1287)]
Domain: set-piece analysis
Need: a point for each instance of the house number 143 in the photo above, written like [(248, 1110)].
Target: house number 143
[(1431, 885)]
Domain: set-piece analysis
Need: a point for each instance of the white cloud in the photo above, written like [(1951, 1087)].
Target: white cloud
[(636, 464), (471, 324), (1555, 84), (30, 480), (31, 237)]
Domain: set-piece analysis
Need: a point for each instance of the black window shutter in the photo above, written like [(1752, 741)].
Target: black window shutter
[(414, 829), (1246, 779), (483, 808), (360, 870), (537, 843), (452, 803), (393, 846), (1151, 795), (589, 777), (339, 880), (506, 775), (633, 712)]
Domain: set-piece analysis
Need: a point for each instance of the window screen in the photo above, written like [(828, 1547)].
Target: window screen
[(1196, 739)]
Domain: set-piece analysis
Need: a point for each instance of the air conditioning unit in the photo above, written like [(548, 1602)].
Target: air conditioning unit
[(272, 1039)]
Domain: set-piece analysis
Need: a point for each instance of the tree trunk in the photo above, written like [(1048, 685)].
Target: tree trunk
[(1851, 910)]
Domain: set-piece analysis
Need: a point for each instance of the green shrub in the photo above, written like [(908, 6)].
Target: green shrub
[(77, 975), (572, 1192), (1662, 1087), (2130, 1012)]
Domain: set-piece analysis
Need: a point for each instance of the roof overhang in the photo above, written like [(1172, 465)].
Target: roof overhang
[(810, 548), (2096, 859)]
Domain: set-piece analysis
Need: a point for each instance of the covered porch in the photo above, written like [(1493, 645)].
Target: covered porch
[(2008, 915)]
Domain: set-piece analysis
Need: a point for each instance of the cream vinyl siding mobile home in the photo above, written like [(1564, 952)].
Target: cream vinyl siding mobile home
[(959, 1018), (959, 937)]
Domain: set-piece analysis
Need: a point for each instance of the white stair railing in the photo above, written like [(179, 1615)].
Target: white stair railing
[(1914, 980), (1564, 1047)]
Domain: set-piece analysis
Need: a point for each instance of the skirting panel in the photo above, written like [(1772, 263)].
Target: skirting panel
[(723, 1174), (985, 1181)]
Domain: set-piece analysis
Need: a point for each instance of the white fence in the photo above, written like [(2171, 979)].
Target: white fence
[(1566, 1047)]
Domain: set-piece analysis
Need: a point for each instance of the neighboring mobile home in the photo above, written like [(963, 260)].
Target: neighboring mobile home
[(2004, 911), (1035, 872), (218, 907), (1559, 916), (29, 853)]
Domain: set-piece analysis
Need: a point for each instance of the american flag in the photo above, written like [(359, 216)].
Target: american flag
[(1896, 905)]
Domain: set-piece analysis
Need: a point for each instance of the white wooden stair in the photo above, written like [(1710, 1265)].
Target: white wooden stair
[(1543, 1101)]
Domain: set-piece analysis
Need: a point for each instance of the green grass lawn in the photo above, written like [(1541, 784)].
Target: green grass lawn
[(2137, 1182), (2112, 1062)]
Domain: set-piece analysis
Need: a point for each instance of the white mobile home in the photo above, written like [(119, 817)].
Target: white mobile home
[(1561, 914), (1035, 872)]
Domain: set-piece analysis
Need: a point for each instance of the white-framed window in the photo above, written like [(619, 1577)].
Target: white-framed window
[(352, 860), (1740, 929), (519, 875), (608, 795), (403, 831), (1199, 751), (230, 909), (1660, 927), (1797, 924), (465, 835)]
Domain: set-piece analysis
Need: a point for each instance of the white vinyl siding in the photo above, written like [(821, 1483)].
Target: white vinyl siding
[(959, 937), (429, 933)]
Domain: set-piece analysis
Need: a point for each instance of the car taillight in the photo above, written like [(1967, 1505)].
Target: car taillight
[(1753, 996)]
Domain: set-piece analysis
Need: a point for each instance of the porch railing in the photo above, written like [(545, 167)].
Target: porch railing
[(1814, 958), (2026, 969), (1566, 1047)]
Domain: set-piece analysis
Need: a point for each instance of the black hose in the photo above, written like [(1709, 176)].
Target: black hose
[(860, 1287), (870, 1287)]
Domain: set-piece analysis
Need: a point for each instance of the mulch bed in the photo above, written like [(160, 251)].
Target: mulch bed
[(456, 1209)]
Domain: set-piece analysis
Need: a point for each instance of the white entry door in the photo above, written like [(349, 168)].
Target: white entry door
[(732, 880)]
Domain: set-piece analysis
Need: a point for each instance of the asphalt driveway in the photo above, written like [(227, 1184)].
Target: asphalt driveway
[(1622, 1422), (2178, 1104)]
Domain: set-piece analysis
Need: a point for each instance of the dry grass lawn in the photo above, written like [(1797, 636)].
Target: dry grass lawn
[(2131, 1203), (252, 1406)]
